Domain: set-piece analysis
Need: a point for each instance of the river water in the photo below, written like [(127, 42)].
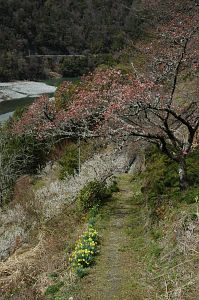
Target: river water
[(20, 93), (8, 107)]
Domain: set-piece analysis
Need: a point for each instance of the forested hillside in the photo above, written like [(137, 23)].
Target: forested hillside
[(71, 27), (61, 27)]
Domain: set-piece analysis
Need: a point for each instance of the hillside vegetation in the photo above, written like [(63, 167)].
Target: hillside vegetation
[(61, 27), (72, 27), (99, 184), (142, 257)]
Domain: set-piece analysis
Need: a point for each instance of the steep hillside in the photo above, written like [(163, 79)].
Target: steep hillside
[(149, 240), (65, 195), (68, 27), (31, 246)]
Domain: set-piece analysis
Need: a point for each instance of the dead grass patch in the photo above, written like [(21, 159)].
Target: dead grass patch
[(25, 274)]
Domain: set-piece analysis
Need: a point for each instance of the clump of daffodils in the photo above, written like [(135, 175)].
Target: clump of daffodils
[(85, 250)]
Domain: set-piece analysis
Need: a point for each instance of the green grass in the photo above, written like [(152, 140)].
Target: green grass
[(158, 246), (157, 220)]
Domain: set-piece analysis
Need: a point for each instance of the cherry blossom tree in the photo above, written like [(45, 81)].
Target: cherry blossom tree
[(141, 105), (120, 106)]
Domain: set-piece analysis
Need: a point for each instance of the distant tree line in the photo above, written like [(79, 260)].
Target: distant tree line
[(61, 27)]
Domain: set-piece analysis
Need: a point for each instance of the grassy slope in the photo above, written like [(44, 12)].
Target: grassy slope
[(144, 255), (149, 244), (114, 276)]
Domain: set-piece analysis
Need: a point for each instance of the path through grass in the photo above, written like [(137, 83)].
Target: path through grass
[(119, 272)]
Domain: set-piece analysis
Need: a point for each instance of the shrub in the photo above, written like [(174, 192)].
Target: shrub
[(102, 59), (193, 167), (93, 193), (93, 212), (190, 195), (160, 172), (113, 188), (69, 161), (54, 288)]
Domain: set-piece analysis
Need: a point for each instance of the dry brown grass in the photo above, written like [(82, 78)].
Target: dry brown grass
[(25, 273)]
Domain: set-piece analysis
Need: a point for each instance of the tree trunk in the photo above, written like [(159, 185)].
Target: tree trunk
[(182, 171)]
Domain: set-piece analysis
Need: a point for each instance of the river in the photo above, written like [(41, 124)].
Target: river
[(20, 93)]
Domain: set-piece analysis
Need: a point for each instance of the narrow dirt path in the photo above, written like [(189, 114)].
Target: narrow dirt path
[(115, 275)]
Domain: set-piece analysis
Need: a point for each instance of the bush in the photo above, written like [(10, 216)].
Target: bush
[(102, 59), (64, 93), (113, 188), (92, 194), (69, 162), (190, 195), (159, 176), (193, 167), (53, 289)]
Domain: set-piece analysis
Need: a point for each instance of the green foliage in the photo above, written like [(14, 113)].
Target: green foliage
[(27, 147), (92, 194), (113, 188), (161, 183), (64, 95), (193, 167), (26, 24), (54, 288), (19, 111), (32, 151), (93, 212), (106, 59), (156, 233), (38, 184), (189, 195), (69, 161), (74, 66), (81, 272), (155, 250), (160, 173), (19, 155), (125, 68), (58, 81)]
